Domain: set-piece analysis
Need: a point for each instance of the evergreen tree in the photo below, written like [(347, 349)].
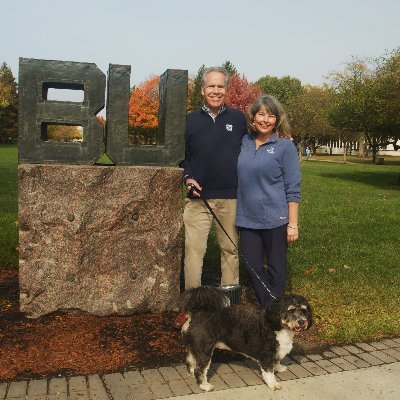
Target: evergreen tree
[(195, 97), (230, 68), (8, 105)]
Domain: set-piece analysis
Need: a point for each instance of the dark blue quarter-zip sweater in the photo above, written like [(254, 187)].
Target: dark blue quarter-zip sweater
[(211, 151)]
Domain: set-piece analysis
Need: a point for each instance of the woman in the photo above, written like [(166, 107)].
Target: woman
[(268, 197)]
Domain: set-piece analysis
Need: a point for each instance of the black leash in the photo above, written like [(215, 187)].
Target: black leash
[(206, 203)]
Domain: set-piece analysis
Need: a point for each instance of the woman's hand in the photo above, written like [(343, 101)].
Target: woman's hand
[(292, 233), (293, 226)]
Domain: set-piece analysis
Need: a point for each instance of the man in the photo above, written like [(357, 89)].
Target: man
[(213, 138)]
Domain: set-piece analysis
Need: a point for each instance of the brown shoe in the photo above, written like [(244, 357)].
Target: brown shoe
[(180, 320)]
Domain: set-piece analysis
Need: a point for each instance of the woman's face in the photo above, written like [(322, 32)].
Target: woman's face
[(264, 121)]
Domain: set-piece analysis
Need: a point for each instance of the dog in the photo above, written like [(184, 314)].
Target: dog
[(264, 336)]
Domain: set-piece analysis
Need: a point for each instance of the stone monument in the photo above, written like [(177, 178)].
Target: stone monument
[(97, 239)]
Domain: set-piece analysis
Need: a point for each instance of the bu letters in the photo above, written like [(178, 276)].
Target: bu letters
[(36, 77)]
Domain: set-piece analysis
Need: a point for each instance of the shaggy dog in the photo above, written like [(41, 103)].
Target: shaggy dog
[(264, 336)]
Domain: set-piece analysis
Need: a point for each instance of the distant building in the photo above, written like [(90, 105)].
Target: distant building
[(336, 147)]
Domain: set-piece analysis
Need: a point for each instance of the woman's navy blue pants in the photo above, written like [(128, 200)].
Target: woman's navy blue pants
[(258, 245)]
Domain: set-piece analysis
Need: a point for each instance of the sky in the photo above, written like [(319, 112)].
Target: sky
[(304, 39)]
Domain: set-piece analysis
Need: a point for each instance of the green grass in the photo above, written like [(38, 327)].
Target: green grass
[(347, 258), (8, 206), (388, 160)]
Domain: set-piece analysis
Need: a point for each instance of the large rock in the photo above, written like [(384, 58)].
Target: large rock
[(103, 240)]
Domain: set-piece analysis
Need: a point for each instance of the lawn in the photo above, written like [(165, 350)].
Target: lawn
[(388, 159), (8, 207), (347, 258)]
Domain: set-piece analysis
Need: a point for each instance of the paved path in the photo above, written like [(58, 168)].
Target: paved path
[(374, 383), (368, 371)]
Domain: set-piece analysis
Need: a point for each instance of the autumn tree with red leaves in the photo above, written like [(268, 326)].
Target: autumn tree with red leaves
[(143, 112), (241, 93)]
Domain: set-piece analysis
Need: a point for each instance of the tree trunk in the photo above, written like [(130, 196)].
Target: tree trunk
[(344, 152), (362, 146), (300, 149), (374, 152)]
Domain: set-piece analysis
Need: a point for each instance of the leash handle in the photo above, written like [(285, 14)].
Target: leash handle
[(206, 203)]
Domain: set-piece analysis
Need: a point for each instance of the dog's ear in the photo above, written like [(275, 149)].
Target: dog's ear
[(273, 314)]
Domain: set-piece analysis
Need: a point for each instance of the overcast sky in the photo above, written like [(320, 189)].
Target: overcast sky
[(302, 38)]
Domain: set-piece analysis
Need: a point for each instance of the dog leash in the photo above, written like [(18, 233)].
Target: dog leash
[(207, 204)]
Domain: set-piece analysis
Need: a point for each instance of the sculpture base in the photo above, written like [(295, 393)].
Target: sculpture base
[(102, 240)]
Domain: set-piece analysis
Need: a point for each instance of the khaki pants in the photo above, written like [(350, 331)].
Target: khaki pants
[(198, 222)]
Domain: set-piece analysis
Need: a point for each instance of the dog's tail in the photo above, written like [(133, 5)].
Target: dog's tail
[(203, 298)]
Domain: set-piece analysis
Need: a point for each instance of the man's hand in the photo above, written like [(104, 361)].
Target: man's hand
[(193, 187)]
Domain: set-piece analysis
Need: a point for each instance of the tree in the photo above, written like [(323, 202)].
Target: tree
[(230, 68), (8, 105), (143, 112), (361, 105), (64, 133), (242, 93), (309, 116), (285, 89), (195, 99), (388, 90), (350, 102)]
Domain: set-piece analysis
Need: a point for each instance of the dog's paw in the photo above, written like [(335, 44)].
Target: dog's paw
[(275, 386), (207, 387), (270, 380), (280, 368)]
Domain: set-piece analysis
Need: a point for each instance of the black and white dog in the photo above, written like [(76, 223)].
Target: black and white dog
[(264, 336)]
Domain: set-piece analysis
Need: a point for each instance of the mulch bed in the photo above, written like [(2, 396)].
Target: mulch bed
[(68, 344)]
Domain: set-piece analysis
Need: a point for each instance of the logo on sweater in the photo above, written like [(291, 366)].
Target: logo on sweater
[(271, 150), (228, 127)]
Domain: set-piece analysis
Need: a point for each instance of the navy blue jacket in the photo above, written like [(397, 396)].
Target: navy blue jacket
[(211, 151), (269, 178)]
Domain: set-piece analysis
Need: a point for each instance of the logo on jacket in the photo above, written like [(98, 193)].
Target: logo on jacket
[(271, 150), (229, 127)]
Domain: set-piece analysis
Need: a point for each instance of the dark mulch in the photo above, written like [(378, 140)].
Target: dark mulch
[(62, 343)]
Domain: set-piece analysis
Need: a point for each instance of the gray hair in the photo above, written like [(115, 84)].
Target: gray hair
[(215, 69)]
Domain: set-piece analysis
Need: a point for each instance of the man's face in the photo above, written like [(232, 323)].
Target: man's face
[(214, 91)]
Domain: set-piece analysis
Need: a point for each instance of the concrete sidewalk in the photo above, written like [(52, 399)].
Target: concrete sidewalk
[(374, 383), (368, 371)]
